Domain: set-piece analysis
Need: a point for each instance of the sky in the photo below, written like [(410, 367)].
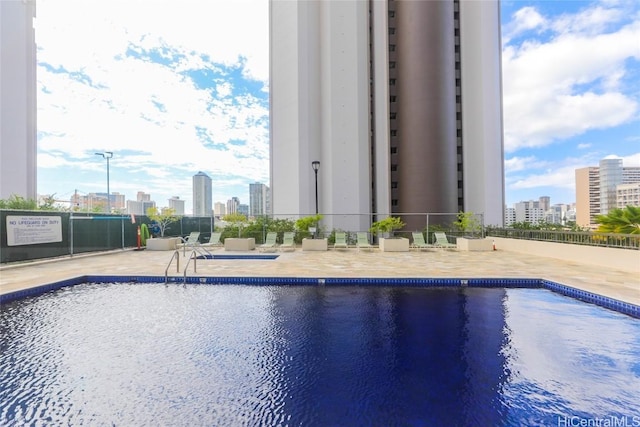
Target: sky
[(177, 87)]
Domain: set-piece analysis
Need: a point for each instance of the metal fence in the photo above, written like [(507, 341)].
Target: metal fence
[(610, 240), (30, 235)]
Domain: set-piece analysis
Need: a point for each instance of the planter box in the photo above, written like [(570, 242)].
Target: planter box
[(465, 244), (394, 245), (162, 244), (314, 244), (239, 244)]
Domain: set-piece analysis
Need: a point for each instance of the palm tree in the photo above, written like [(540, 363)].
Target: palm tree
[(623, 221)]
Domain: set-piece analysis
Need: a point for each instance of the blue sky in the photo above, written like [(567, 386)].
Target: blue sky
[(177, 87)]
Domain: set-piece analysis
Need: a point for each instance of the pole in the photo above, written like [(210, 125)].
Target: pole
[(108, 191), (316, 171)]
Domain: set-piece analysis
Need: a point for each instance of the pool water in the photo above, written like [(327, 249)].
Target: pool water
[(232, 355)]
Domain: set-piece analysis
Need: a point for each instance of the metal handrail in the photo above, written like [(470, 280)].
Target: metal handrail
[(176, 255), (194, 257)]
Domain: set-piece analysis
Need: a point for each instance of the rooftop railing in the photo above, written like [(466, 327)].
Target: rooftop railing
[(609, 240)]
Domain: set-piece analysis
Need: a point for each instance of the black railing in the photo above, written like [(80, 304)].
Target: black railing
[(609, 240)]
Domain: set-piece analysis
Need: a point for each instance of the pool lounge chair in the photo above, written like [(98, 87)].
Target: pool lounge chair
[(288, 241), (270, 242), (340, 241), (363, 241), (442, 241), (214, 240), (418, 241), (191, 240)]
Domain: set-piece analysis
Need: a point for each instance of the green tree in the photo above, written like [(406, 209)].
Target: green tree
[(162, 217), (387, 225), (236, 220), (467, 222), (623, 221)]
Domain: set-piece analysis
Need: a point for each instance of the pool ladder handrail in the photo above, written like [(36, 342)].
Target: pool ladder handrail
[(176, 255), (194, 257)]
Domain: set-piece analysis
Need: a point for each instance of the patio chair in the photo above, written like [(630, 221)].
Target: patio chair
[(363, 241), (214, 240), (288, 241), (442, 241), (418, 241), (270, 242), (340, 241), (191, 240)]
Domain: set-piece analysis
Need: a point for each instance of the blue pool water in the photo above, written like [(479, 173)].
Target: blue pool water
[(150, 354)]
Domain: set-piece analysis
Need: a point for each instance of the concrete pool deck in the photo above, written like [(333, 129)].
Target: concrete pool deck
[(620, 285)]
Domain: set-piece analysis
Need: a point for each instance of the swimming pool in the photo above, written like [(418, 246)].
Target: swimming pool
[(150, 354)]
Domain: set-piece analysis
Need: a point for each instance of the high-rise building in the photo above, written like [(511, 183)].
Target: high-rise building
[(258, 199), (202, 195), (587, 195), (597, 188), (18, 98), (220, 209), (610, 176), (399, 101), (232, 205), (177, 205)]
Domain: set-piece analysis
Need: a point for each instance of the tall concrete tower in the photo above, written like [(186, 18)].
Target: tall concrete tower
[(400, 101), (18, 100)]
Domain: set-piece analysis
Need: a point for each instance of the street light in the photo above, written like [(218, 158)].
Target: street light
[(107, 155), (316, 165)]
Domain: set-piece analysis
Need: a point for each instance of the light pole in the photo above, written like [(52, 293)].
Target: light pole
[(316, 165), (107, 155)]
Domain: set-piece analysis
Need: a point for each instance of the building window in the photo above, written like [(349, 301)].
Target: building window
[(392, 30), (394, 168), (393, 116), (394, 184), (392, 64), (394, 150), (394, 132), (394, 202), (392, 48), (392, 14), (392, 98)]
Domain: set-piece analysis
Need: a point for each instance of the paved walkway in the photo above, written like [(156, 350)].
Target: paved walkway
[(624, 286)]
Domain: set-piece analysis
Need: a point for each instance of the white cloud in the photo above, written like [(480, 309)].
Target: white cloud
[(95, 97), (570, 84), (563, 177)]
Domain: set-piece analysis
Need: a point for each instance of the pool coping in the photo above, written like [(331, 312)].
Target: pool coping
[(623, 307)]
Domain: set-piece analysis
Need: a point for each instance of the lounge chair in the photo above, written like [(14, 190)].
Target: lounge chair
[(418, 241), (288, 241), (363, 241), (214, 240), (442, 241), (191, 240), (270, 242), (340, 241)]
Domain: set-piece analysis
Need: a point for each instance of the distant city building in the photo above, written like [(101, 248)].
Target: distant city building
[(141, 196), (597, 189), (587, 195), (509, 216), (233, 205), (529, 211), (139, 207), (258, 200), (220, 209), (18, 146), (202, 195), (628, 195), (243, 210), (177, 205)]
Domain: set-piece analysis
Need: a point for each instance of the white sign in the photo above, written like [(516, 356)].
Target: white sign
[(31, 230)]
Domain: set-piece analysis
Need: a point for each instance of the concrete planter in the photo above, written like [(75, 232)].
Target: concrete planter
[(465, 244), (239, 244), (162, 244), (314, 244), (400, 244)]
